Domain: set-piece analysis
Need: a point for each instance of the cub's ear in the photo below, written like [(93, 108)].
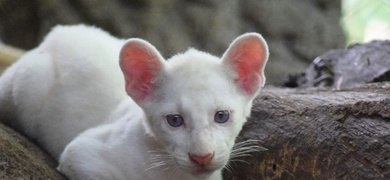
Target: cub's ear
[(246, 58), (141, 65)]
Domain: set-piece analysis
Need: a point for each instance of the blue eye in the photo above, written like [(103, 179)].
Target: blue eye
[(174, 120), (221, 116)]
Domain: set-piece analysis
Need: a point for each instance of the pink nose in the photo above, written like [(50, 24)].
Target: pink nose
[(201, 159)]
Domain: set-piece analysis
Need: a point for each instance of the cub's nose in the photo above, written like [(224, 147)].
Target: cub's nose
[(201, 159)]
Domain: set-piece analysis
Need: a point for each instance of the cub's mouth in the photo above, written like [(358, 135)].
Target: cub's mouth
[(203, 171), (198, 166), (199, 171)]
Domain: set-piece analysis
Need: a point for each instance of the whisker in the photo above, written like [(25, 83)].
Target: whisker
[(245, 149), (248, 149), (243, 155), (240, 160), (159, 159), (155, 165), (245, 152), (229, 168), (247, 143)]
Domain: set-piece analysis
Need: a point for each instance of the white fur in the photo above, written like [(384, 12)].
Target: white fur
[(72, 82), (69, 83)]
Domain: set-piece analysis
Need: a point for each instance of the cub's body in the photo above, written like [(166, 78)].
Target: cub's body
[(71, 95), (71, 82)]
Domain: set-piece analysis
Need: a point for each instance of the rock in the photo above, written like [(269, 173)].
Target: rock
[(22, 159), (296, 31), (344, 68)]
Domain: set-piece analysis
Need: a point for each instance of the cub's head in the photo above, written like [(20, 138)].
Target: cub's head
[(195, 103)]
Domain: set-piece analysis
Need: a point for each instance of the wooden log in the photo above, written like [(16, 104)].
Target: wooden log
[(310, 134), (22, 159), (318, 134)]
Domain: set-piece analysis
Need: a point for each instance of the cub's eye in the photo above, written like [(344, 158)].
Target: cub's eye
[(221, 116), (174, 120)]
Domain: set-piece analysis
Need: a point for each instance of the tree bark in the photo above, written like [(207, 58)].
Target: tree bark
[(22, 159), (318, 134)]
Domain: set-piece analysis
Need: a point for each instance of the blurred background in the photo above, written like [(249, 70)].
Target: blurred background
[(297, 31)]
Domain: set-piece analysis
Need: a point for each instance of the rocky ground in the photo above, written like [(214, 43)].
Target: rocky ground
[(297, 31)]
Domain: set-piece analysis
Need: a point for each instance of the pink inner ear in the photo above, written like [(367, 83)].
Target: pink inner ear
[(140, 68), (251, 59)]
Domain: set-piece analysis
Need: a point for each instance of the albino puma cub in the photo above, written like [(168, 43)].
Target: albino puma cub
[(180, 122)]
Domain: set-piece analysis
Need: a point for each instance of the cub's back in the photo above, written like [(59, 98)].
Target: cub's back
[(69, 83)]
